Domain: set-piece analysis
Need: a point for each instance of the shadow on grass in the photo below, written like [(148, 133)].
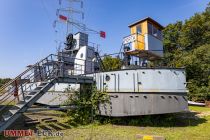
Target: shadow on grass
[(54, 126), (19, 124), (65, 126), (164, 120), (44, 127), (5, 108)]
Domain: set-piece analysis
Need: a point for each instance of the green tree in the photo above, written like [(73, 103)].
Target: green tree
[(171, 43), (4, 81), (197, 64), (111, 63), (187, 44), (195, 31)]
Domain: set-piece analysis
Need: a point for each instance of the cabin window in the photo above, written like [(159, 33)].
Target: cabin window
[(159, 34), (155, 31), (150, 28), (139, 29), (81, 55)]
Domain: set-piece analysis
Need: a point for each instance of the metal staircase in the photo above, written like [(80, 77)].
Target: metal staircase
[(23, 91)]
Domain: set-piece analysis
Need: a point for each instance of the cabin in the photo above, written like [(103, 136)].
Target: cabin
[(145, 37)]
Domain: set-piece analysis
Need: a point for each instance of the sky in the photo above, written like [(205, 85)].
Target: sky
[(27, 34)]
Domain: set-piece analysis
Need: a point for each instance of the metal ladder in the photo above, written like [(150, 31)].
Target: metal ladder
[(22, 92)]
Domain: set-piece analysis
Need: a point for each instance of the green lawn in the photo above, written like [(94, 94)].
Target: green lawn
[(183, 129), (199, 109), (201, 131), (179, 129)]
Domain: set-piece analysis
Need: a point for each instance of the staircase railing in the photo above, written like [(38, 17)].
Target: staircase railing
[(16, 87), (48, 68)]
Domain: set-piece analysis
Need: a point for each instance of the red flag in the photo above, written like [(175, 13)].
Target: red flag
[(102, 34), (63, 18)]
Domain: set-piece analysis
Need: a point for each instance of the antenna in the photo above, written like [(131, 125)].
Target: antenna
[(71, 15), (66, 14)]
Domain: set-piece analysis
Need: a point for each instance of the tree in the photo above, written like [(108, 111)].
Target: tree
[(197, 64), (195, 31), (4, 81), (86, 102), (171, 43), (188, 45), (111, 63)]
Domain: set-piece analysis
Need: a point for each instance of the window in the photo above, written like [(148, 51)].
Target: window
[(150, 28), (81, 55), (155, 31), (139, 29), (159, 34)]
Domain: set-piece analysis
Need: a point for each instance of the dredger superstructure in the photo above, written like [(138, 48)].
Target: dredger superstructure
[(136, 89)]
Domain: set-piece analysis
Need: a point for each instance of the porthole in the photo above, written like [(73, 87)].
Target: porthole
[(107, 77), (162, 97), (175, 98), (81, 55), (145, 97)]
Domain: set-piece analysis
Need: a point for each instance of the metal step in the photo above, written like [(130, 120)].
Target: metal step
[(13, 111), (35, 90), (44, 83), (20, 104), (39, 88), (28, 97), (6, 117), (32, 93)]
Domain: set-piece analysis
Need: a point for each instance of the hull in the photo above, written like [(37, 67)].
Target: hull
[(143, 91)]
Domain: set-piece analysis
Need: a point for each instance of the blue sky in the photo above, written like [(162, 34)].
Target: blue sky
[(27, 35)]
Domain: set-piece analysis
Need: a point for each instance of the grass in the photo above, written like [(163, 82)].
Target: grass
[(198, 108), (109, 131), (172, 127)]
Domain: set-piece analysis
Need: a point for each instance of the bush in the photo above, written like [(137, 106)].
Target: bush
[(86, 102)]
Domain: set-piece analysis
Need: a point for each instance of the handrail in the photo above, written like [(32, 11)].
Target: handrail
[(9, 95), (13, 80), (41, 62), (51, 56), (49, 67), (133, 34)]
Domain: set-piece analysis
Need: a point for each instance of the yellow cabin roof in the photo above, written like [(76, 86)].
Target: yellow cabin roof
[(147, 19)]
